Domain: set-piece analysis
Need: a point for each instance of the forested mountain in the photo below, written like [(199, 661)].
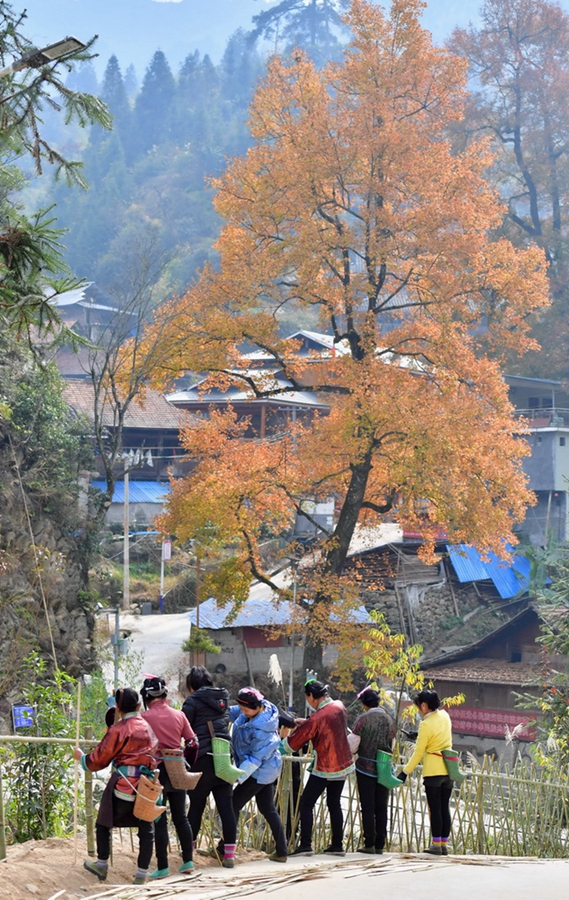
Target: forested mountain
[(148, 177)]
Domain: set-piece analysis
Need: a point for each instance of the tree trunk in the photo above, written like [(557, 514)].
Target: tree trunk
[(312, 657), (336, 555)]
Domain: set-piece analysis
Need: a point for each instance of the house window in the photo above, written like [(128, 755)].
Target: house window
[(539, 439), (533, 402), (561, 441), (516, 656)]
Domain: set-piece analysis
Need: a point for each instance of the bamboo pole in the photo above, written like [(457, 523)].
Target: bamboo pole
[(24, 739), (89, 816), (3, 853), (76, 780)]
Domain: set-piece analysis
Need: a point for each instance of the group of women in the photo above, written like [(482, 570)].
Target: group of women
[(137, 741)]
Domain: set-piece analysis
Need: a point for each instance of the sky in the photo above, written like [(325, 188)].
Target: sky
[(134, 29)]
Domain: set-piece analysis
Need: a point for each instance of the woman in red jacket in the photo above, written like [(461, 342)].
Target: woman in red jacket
[(327, 729), (130, 746)]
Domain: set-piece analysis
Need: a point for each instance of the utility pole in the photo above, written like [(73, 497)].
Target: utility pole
[(294, 566), (166, 554), (126, 545), (116, 645)]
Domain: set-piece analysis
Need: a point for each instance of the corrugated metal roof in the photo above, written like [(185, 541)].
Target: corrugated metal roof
[(254, 613), (138, 491), (508, 578), (235, 394)]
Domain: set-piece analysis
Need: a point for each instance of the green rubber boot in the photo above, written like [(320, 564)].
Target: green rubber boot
[(451, 759), (385, 774)]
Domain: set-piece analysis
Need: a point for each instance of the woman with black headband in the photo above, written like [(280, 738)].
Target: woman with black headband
[(434, 737), (207, 707), (170, 727), (130, 746), (327, 729), (256, 743), (376, 731)]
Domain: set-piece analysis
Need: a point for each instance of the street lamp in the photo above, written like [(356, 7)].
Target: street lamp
[(36, 58)]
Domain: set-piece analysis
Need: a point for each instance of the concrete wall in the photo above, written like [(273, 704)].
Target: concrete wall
[(505, 751), (140, 514), (548, 515), (234, 656), (540, 466)]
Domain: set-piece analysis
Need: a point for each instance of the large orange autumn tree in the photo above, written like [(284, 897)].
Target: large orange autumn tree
[(352, 204)]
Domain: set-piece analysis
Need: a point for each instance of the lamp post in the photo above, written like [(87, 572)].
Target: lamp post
[(37, 58)]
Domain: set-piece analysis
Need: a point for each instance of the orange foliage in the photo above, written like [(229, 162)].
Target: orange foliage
[(352, 203)]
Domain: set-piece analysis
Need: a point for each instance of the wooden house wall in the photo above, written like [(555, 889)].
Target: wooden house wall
[(480, 694), (517, 647)]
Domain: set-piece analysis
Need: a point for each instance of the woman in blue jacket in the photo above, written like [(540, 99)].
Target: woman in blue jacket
[(256, 744)]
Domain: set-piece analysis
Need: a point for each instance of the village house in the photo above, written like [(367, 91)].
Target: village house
[(151, 451), (492, 673)]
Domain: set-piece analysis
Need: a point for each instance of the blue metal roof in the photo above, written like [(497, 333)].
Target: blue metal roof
[(507, 578), (253, 613), (138, 491)]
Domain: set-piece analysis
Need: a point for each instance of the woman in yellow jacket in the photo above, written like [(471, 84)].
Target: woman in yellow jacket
[(435, 735)]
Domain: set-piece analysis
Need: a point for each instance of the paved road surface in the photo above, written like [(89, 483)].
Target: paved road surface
[(156, 641), (390, 877)]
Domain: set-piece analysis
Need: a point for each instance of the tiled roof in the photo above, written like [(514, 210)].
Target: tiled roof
[(154, 413), (491, 671)]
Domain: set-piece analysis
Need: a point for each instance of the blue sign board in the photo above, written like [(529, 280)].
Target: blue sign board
[(23, 716)]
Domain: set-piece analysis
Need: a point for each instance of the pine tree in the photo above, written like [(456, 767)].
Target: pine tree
[(131, 82), (316, 26), (115, 96), (154, 102)]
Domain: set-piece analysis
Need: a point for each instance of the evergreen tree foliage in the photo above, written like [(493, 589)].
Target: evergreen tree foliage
[(153, 104), (157, 178), (315, 26), (36, 429), (115, 96), (131, 82), (30, 246)]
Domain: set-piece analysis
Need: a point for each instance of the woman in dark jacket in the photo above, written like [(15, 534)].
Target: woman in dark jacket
[(205, 704)]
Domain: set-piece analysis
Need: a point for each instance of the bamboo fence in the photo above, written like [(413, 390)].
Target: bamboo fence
[(513, 811), (509, 811)]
